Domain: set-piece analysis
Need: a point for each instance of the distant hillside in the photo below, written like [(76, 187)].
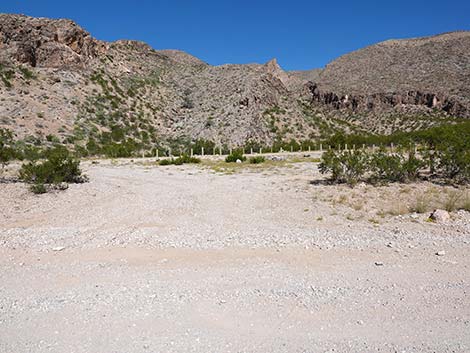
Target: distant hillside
[(431, 71), (58, 83)]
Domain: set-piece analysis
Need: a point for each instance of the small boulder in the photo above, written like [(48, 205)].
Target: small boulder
[(440, 216), (62, 186), (238, 161)]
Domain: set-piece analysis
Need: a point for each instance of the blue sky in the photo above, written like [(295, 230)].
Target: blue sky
[(300, 34)]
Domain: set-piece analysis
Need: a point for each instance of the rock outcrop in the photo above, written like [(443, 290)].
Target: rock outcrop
[(429, 73), (380, 102), (42, 42)]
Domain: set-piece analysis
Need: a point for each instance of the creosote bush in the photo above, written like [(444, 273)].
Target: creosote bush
[(353, 166), (236, 155), (184, 159), (257, 160), (7, 152), (345, 166), (58, 167)]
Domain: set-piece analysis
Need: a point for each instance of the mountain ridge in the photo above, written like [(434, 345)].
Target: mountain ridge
[(58, 80)]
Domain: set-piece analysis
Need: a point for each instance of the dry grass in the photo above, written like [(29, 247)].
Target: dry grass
[(398, 208), (451, 202), (466, 202), (421, 204)]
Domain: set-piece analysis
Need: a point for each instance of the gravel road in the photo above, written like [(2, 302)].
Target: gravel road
[(183, 259)]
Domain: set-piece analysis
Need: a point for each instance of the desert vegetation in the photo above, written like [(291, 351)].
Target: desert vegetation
[(440, 153), (57, 170), (184, 159)]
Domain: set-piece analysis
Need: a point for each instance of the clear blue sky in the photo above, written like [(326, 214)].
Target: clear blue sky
[(301, 34)]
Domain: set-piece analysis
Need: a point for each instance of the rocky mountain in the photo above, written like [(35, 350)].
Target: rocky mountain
[(59, 83), (432, 72)]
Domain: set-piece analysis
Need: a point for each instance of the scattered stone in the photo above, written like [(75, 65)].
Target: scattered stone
[(379, 263), (62, 186), (58, 248), (440, 216), (440, 253)]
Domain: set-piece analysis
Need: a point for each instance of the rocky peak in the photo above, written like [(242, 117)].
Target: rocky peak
[(44, 42), (273, 68)]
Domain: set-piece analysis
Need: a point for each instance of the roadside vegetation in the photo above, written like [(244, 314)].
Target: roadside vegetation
[(184, 159), (55, 172), (235, 157), (446, 163), (440, 153)]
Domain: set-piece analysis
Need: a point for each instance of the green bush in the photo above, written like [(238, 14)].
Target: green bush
[(7, 152), (166, 161), (412, 166), (58, 167), (236, 155), (184, 159), (386, 167), (345, 166), (454, 162), (38, 188), (353, 166), (257, 160)]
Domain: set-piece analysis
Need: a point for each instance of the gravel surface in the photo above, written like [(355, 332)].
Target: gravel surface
[(183, 259)]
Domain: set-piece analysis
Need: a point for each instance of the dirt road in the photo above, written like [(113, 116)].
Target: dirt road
[(182, 259)]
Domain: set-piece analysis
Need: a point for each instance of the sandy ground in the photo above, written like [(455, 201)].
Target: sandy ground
[(261, 259)]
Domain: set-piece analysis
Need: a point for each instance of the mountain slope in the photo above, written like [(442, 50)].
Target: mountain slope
[(58, 83), (431, 71)]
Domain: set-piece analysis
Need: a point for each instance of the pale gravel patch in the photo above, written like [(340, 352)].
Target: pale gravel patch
[(182, 259)]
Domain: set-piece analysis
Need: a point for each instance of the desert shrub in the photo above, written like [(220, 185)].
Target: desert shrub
[(331, 163), (395, 167), (58, 167), (421, 205), (201, 144), (165, 161), (257, 160), (454, 163), (466, 202), (24, 151), (7, 152), (385, 167), (27, 74), (38, 188), (345, 166), (234, 156), (412, 166), (184, 159), (451, 203), (120, 150)]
